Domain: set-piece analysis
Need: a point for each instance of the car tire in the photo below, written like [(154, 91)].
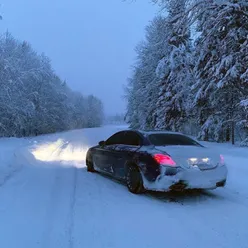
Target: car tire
[(134, 180), (90, 165)]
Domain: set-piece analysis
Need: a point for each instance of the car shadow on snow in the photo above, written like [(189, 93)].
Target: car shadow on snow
[(181, 197), (184, 197)]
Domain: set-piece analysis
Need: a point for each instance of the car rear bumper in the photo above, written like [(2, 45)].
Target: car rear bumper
[(188, 179)]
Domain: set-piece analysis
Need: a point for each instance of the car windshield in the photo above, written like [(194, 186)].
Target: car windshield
[(163, 139)]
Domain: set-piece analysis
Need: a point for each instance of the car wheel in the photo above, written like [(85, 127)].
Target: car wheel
[(134, 180), (90, 165)]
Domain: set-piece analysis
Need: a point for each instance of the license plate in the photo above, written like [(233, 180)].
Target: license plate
[(205, 166)]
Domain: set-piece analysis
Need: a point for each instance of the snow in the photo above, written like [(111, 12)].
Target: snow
[(196, 178), (8, 163), (244, 103), (48, 199)]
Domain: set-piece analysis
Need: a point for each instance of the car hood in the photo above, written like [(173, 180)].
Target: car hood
[(181, 154)]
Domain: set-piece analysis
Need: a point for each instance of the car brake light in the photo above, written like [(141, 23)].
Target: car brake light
[(222, 160), (164, 159)]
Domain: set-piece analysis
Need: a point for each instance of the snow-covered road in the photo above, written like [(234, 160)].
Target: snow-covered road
[(48, 200)]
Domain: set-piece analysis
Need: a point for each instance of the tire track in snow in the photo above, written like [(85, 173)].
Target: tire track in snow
[(72, 209), (58, 197), (12, 174), (50, 211), (72, 199)]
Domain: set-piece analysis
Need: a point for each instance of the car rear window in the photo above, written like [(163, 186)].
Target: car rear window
[(171, 140)]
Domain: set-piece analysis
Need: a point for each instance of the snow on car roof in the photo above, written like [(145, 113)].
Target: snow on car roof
[(147, 132)]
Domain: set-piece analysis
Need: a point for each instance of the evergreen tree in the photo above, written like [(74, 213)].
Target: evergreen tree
[(185, 86), (143, 86), (221, 67), (175, 71), (33, 99)]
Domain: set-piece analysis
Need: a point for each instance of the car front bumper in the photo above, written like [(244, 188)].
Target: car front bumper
[(188, 179)]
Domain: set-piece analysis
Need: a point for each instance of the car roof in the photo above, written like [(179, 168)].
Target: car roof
[(148, 132), (158, 132)]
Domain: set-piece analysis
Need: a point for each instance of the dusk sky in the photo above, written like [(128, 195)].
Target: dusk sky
[(91, 43)]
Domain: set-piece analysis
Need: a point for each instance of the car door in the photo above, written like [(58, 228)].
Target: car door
[(125, 152), (105, 154)]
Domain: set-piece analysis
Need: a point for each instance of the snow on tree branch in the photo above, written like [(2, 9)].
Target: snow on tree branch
[(33, 99), (182, 80)]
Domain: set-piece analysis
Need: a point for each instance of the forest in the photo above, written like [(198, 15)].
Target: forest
[(191, 71), (33, 98)]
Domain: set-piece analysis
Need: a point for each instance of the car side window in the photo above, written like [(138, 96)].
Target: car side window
[(118, 138), (132, 139)]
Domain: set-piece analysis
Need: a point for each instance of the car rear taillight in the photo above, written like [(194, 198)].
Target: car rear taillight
[(164, 159), (222, 160)]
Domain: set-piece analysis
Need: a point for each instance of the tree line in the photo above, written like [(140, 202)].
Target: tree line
[(115, 119), (34, 100), (191, 72)]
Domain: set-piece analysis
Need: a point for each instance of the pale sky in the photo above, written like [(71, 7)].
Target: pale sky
[(91, 43)]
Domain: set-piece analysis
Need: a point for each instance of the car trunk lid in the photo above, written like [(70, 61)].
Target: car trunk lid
[(192, 156)]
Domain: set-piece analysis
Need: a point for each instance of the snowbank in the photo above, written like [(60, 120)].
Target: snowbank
[(9, 162)]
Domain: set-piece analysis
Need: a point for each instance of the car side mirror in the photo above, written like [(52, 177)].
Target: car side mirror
[(101, 143)]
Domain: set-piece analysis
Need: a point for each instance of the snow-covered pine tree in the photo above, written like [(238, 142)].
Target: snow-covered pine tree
[(131, 116), (243, 123), (33, 99), (94, 110), (142, 90), (221, 52), (175, 71)]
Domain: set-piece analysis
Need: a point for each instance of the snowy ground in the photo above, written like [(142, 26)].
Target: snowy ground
[(48, 200)]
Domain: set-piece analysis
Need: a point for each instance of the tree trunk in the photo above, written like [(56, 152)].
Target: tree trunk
[(232, 117), (233, 133), (227, 134), (206, 135)]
